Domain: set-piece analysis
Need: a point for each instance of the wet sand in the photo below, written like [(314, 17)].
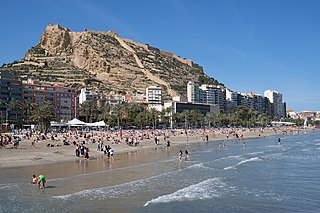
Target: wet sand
[(18, 165)]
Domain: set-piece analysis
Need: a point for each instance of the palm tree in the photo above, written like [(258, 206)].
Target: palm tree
[(27, 107), (124, 109), (184, 116), (166, 116), (16, 106), (5, 104), (88, 109), (141, 119), (42, 114), (211, 118), (105, 113), (135, 112), (154, 116), (196, 117)]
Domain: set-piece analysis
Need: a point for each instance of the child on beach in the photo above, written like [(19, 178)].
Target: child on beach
[(34, 179), (41, 181)]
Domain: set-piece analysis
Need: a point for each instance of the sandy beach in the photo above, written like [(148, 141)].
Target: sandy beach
[(41, 153), (148, 173)]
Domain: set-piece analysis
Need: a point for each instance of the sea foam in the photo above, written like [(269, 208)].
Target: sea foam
[(207, 189), (242, 162)]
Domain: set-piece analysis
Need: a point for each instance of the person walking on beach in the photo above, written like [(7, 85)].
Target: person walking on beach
[(111, 154), (77, 150), (33, 144), (86, 153), (187, 155), (180, 155), (241, 137), (168, 144), (108, 148)]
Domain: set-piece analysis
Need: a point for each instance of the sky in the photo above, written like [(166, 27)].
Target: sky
[(248, 45)]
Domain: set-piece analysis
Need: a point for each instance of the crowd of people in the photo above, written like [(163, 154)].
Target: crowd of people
[(7, 139), (82, 139)]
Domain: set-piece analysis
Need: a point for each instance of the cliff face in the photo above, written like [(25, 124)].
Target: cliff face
[(104, 62)]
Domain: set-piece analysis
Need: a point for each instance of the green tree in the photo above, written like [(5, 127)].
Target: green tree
[(16, 106), (211, 119), (154, 114), (3, 104), (42, 114), (26, 111), (141, 119), (88, 109), (166, 116), (104, 113)]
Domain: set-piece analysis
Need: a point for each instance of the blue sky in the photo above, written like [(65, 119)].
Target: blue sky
[(249, 45)]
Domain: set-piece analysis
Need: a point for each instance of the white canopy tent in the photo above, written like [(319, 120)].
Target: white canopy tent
[(99, 123), (76, 122)]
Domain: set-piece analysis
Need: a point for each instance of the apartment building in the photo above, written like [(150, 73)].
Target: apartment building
[(278, 105), (10, 90), (154, 95), (206, 94), (63, 98)]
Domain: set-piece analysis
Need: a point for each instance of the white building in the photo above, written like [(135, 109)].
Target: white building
[(211, 94), (85, 96), (193, 93), (278, 106), (110, 99), (206, 94), (154, 95), (233, 98)]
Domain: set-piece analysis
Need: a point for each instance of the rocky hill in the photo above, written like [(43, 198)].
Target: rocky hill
[(105, 63)]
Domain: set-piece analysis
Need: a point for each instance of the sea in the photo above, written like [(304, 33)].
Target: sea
[(256, 175)]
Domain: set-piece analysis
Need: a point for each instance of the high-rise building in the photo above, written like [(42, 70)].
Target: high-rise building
[(193, 93), (63, 98), (206, 94), (10, 90), (154, 95), (257, 102), (233, 98), (278, 106), (211, 94), (247, 100), (85, 96)]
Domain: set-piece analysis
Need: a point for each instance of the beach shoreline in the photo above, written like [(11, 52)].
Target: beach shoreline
[(153, 171), (41, 154)]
